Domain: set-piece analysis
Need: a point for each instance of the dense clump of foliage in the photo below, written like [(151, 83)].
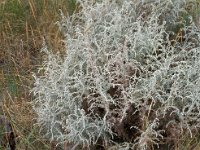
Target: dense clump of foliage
[(129, 79)]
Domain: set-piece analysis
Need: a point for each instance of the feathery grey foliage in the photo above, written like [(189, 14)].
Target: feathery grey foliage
[(124, 66)]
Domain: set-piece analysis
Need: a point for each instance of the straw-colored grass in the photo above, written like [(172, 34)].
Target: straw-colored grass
[(23, 26)]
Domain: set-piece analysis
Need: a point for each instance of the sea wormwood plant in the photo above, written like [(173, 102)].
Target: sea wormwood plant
[(127, 78)]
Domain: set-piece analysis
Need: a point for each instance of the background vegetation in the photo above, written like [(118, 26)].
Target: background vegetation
[(23, 26)]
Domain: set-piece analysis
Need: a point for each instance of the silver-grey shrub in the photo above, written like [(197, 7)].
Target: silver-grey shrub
[(126, 74)]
